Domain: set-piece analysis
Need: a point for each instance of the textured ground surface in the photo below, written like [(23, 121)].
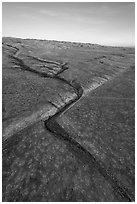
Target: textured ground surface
[(103, 123), (68, 121)]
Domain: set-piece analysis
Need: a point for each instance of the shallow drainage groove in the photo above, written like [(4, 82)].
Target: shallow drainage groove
[(53, 127), (50, 123), (20, 124)]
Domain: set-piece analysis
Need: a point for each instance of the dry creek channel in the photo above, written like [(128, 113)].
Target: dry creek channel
[(50, 123)]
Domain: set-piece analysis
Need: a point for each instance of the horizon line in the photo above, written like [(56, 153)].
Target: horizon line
[(32, 38)]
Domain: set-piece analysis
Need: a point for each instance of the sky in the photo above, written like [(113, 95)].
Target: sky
[(104, 23)]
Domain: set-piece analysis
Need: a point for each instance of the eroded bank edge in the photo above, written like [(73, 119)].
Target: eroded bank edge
[(50, 122)]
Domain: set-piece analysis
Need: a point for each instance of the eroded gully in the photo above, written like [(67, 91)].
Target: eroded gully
[(55, 129)]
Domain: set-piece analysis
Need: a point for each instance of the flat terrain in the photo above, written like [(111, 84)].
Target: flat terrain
[(68, 122)]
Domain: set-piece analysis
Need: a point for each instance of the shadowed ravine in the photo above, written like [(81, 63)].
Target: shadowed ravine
[(20, 124), (48, 117), (53, 127)]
